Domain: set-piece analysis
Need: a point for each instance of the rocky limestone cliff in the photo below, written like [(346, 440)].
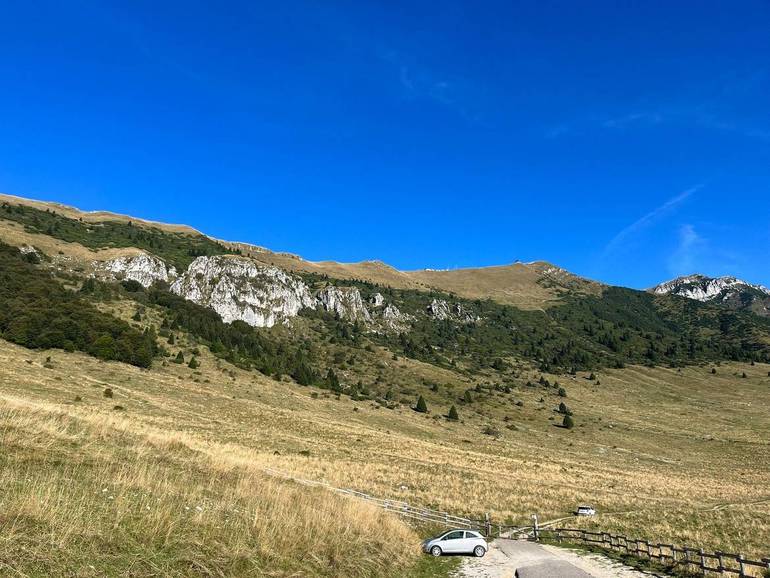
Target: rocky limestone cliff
[(377, 300), (394, 319), (702, 288), (142, 268), (345, 302), (440, 309), (728, 292), (237, 288)]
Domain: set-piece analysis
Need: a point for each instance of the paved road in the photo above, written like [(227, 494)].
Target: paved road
[(534, 561), (521, 559)]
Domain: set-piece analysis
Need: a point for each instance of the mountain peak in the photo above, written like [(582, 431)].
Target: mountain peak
[(728, 290)]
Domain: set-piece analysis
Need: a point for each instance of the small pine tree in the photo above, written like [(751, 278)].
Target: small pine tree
[(137, 316), (332, 381), (562, 392), (179, 358), (713, 370), (453, 414), (421, 406), (743, 375), (568, 422), (193, 363), (171, 340), (468, 396)]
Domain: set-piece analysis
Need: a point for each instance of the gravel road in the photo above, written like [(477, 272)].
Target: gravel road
[(516, 558)]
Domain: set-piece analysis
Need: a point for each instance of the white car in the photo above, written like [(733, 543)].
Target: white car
[(585, 511), (456, 542)]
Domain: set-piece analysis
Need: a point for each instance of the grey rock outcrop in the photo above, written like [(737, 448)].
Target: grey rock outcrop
[(237, 288), (394, 319), (441, 310), (345, 302), (143, 268)]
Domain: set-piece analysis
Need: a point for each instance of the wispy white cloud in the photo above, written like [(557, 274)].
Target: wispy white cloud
[(684, 260), (418, 82), (633, 118), (557, 131), (619, 240)]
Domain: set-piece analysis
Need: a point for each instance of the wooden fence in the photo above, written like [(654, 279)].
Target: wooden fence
[(398, 507), (693, 560)]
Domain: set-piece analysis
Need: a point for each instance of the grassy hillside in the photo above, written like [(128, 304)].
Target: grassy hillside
[(685, 452), (90, 493), (38, 312), (176, 248), (665, 400)]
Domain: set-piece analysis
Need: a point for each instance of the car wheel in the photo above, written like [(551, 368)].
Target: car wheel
[(435, 551), (479, 551)]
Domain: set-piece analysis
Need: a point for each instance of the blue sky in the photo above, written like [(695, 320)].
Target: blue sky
[(625, 141)]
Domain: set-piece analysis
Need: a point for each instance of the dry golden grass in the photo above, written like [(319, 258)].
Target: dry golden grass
[(658, 447), (92, 216), (524, 285), (92, 494), (66, 255)]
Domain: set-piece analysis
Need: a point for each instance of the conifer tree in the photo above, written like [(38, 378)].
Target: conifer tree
[(421, 407), (453, 414)]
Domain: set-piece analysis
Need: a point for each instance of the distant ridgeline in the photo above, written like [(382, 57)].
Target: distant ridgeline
[(618, 327), (177, 249), (584, 332)]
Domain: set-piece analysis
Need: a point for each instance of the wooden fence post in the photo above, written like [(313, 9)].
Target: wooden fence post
[(702, 561), (487, 525), (742, 566), (721, 560), (535, 528)]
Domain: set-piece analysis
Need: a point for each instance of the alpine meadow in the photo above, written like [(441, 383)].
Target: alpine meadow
[(380, 289), (163, 390)]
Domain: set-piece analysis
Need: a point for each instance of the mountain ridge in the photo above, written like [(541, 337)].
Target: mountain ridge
[(727, 291), (533, 285)]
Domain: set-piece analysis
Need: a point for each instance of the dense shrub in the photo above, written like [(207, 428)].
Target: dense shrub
[(178, 249), (36, 311)]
